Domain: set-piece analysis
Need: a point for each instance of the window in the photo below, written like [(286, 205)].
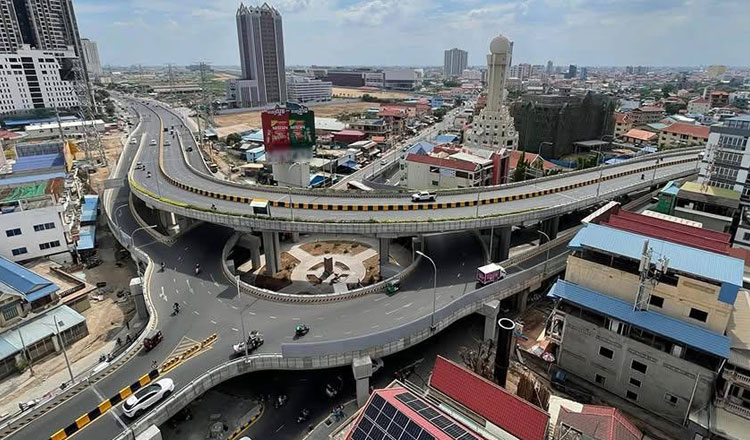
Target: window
[(699, 315), (635, 382), (638, 366), (51, 244), (13, 232), (435, 183), (670, 399), (598, 378), (44, 227), (10, 312), (606, 352), (19, 251), (746, 236), (631, 395), (656, 301)]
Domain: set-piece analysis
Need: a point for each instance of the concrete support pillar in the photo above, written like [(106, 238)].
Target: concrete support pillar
[(551, 226), (521, 299), (489, 311), (168, 220), (416, 245), (295, 237), (252, 243), (384, 249), (500, 240), (272, 251), (362, 369), (136, 292)]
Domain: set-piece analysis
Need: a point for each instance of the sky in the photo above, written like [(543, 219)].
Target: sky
[(415, 32)]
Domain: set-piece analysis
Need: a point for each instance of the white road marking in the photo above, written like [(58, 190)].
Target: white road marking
[(348, 333), (251, 313), (162, 294), (271, 317), (234, 329), (174, 281), (381, 298), (189, 287), (295, 319), (234, 307), (213, 322), (219, 299), (196, 312), (114, 414), (399, 318), (318, 336), (280, 428), (375, 326)]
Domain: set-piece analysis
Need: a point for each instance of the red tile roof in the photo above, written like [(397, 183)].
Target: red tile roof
[(440, 162), (699, 131), (679, 233), (5, 134), (621, 118), (490, 401), (393, 111), (530, 158), (700, 100), (640, 134), (599, 422)]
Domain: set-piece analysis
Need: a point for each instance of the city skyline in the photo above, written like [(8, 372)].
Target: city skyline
[(384, 32)]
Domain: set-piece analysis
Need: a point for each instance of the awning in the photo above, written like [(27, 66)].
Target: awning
[(89, 209)]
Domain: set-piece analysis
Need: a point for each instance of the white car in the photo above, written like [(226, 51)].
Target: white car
[(166, 143), (146, 397), (153, 142), (423, 196), (133, 140)]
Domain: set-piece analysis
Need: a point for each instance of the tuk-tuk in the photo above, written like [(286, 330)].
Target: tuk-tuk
[(392, 287), (152, 339)]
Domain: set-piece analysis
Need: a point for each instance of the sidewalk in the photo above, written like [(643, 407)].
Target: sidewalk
[(330, 424)]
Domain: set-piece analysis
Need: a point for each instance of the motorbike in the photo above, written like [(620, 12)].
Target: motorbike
[(280, 401), (301, 330), (303, 416), (197, 269)]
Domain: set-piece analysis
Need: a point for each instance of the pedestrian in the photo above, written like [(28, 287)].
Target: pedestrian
[(310, 427), (127, 325), (154, 365)]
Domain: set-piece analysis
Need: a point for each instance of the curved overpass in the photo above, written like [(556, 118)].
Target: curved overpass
[(179, 186)]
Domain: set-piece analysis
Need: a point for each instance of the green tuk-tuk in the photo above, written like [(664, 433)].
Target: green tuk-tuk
[(392, 287)]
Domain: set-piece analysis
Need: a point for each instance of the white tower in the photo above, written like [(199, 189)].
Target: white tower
[(493, 128)]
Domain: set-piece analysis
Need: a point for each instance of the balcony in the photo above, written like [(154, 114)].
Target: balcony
[(732, 407), (736, 376)]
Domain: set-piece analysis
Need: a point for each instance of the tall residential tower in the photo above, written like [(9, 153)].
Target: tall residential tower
[(261, 42), (91, 57), (455, 62)]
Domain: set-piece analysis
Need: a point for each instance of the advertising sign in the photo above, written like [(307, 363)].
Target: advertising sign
[(288, 135)]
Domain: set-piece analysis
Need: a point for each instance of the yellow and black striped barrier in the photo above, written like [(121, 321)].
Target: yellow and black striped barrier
[(238, 432), (105, 406)]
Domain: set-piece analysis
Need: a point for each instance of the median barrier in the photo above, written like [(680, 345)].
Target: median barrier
[(329, 354), (104, 407)]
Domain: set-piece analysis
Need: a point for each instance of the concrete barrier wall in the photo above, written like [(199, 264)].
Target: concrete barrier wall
[(270, 295), (307, 356)]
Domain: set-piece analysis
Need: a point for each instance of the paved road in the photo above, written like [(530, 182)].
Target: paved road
[(175, 167)]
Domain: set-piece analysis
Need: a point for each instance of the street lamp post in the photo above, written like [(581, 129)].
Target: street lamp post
[(656, 165), (601, 171), (132, 236), (65, 352), (546, 259), (242, 318), (434, 288), (117, 222), (291, 204)]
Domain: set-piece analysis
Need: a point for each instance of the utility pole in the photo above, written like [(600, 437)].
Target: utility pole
[(647, 278), (65, 352)]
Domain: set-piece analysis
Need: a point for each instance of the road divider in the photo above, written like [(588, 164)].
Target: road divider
[(172, 363), (238, 432), (106, 405)]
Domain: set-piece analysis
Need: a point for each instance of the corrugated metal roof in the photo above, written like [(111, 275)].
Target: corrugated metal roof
[(41, 327), (25, 282), (685, 259), (89, 209), (738, 328), (42, 161), (672, 328), (32, 178), (87, 238)]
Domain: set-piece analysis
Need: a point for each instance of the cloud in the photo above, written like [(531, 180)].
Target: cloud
[(210, 14)]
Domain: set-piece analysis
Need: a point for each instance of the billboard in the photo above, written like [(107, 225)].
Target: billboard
[(288, 135)]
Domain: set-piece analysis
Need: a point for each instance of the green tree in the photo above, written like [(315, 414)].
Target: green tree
[(519, 174), (451, 83), (233, 138), (439, 113)]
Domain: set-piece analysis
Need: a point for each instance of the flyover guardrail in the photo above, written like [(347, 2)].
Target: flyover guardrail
[(329, 354)]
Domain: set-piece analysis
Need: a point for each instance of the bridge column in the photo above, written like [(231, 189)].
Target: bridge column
[(362, 369), (500, 240), (168, 220), (252, 243), (551, 226), (522, 298), (383, 251), (489, 311), (272, 251)]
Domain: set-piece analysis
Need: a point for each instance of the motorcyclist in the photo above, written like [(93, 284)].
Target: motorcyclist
[(642, 176), (197, 267), (213, 207), (162, 266), (176, 307)]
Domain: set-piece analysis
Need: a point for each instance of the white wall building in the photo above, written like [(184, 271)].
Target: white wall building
[(31, 228), (51, 130), (374, 79), (91, 57), (304, 89), (472, 75), (23, 72)]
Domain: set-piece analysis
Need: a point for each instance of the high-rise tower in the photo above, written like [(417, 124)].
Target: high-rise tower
[(261, 41), (455, 62)]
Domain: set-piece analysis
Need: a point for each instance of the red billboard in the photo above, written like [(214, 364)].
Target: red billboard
[(288, 135)]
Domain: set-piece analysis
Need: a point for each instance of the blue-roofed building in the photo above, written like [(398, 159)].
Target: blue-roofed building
[(659, 343), (89, 209), (22, 291), (446, 139), (420, 148)]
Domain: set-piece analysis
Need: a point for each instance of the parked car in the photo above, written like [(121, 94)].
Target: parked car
[(423, 196), (146, 397)]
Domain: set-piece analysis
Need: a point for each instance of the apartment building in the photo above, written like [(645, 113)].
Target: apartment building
[(660, 344), (680, 134), (455, 62), (31, 79), (646, 115), (91, 56), (451, 167), (622, 124)]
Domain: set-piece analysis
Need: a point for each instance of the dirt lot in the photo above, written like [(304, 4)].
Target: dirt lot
[(333, 247), (342, 92), (112, 150), (328, 110), (288, 263)]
